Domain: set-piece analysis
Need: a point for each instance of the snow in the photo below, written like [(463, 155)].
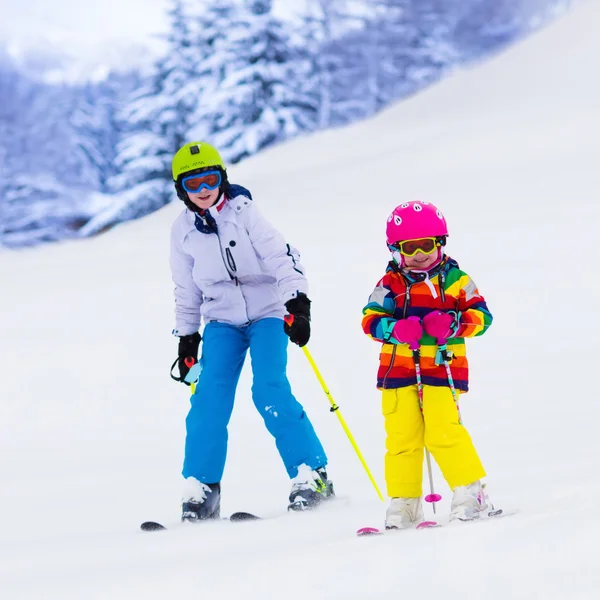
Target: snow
[(192, 489), (91, 426), (305, 475)]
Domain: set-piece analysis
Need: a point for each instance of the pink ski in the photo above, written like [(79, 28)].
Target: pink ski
[(494, 514), (375, 531)]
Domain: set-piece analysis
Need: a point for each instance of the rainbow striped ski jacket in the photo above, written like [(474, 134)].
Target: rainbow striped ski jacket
[(400, 295)]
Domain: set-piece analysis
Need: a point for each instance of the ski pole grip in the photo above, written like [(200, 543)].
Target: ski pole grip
[(289, 319), (189, 361)]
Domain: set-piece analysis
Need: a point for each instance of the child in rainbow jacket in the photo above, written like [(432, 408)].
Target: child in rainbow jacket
[(421, 311)]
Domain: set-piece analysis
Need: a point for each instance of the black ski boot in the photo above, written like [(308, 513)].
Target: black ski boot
[(205, 504), (309, 489)]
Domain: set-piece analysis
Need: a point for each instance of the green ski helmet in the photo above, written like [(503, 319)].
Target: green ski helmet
[(196, 157)]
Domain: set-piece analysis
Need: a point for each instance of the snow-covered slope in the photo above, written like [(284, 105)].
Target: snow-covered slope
[(91, 427)]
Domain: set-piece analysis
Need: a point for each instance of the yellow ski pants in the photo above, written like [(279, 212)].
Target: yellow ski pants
[(409, 431)]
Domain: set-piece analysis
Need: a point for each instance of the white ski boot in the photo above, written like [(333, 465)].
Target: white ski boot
[(403, 513), (201, 501), (469, 502), (310, 488)]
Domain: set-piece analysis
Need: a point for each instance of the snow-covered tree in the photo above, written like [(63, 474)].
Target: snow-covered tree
[(79, 157), (261, 100), (486, 26), (153, 123), (322, 61), (55, 146), (166, 111), (211, 28)]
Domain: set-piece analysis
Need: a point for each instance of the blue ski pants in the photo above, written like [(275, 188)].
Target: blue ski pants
[(224, 349)]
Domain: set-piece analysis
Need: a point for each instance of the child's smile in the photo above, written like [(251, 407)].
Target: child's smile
[(421, 261), (205, 198)]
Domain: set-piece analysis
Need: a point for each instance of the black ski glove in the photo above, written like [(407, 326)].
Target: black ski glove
[(299, 329), (188, 348)]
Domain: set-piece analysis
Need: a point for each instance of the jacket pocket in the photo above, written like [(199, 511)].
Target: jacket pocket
[(389, 402)]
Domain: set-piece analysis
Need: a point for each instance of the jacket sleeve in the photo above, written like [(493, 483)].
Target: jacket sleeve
[(475, 317), (378, 315), (188, 297), (282, 259)]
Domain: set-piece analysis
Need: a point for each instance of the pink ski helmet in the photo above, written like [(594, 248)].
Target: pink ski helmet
[(414, 220)]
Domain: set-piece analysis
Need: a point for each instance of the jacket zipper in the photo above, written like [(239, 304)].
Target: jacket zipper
[(405, 308), (390, 367), (404, 313), (225, 262), (230, 266), (406, 299), (231, 263), (442, 279)]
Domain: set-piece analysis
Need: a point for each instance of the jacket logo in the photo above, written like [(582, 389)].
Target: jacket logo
[(470, 290)]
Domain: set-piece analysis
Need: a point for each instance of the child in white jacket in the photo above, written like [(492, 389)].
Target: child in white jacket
[(234, 269)]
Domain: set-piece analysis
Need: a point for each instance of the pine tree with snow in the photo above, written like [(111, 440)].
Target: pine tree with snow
[(323, 62), (49, 159), (260, 100), (154, 122), (210, 26)]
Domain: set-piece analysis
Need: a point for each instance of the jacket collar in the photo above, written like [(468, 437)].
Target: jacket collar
[(444, 266), (210, 215)]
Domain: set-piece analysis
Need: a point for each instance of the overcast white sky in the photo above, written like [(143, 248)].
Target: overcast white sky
[(76, 21), (80, 22)]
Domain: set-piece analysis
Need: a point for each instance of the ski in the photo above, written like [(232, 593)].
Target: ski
[(236, 517), (152, 526), (494, 514)]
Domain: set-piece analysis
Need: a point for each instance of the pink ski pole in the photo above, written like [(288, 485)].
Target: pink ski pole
[(432, 497)]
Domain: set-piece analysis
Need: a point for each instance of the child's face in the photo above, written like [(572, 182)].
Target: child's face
[(204, 198), (421, 261)]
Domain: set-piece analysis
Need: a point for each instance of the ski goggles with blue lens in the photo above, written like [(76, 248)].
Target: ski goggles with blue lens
[(210, 180)]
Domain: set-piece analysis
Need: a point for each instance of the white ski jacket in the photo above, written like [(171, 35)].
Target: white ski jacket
[(243, 272)]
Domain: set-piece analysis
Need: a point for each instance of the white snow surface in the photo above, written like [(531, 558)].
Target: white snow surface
[(92, 428)]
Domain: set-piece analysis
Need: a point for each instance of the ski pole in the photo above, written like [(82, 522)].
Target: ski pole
[(289, 319), (189, 363), (445, 356), (193, 374), (432, 497)]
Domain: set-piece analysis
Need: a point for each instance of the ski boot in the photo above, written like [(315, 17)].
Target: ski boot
[(310, 488), (404, 513), (469, 502), (201, 502)]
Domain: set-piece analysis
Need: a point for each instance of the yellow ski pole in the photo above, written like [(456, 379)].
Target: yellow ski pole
[(336, 409)]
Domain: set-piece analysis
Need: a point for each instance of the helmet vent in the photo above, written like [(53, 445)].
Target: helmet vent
[(194, 150)]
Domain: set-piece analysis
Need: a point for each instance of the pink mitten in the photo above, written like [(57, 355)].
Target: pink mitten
[(408, 331), (438, 324)]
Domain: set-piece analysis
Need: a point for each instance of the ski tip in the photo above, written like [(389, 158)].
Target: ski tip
[(238, 517), (428, 525), (152, 526), (368, 531)]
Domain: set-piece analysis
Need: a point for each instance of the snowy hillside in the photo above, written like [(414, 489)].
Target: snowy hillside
[(91, 427)]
